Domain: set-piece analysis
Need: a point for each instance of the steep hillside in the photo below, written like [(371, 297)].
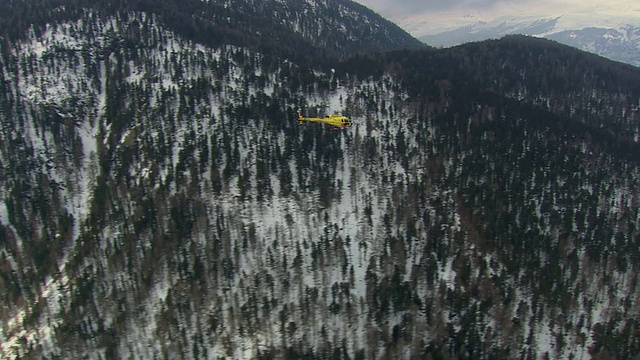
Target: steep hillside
[(158, 198), (312, 32), (589, 89)]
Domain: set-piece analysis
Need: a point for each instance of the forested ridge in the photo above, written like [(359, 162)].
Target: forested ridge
[(159, 198), (312, 33)]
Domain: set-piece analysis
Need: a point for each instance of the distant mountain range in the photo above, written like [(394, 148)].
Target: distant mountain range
[(621, 44), (618, 41)]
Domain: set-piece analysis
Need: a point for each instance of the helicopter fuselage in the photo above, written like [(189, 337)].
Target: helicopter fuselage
[(336, 120)]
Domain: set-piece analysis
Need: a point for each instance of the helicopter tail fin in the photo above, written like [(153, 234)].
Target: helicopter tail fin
[(300, 117)]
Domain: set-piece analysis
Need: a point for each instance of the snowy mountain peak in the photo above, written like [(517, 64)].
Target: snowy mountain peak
[(615, 38)]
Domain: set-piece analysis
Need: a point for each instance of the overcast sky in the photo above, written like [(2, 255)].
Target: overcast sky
[(422, 15), (396, 8), (408, 7)]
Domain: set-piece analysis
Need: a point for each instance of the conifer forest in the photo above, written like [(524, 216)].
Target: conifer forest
[(160, 200)]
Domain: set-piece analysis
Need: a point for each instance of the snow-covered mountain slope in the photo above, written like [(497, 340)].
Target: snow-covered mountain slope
[(616, 40), (183, 206), (158, 199), (342, 27), (479, 30), (620, 44), (313, 31)]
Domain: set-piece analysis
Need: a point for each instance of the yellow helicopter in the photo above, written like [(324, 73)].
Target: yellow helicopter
[(336, 120)]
